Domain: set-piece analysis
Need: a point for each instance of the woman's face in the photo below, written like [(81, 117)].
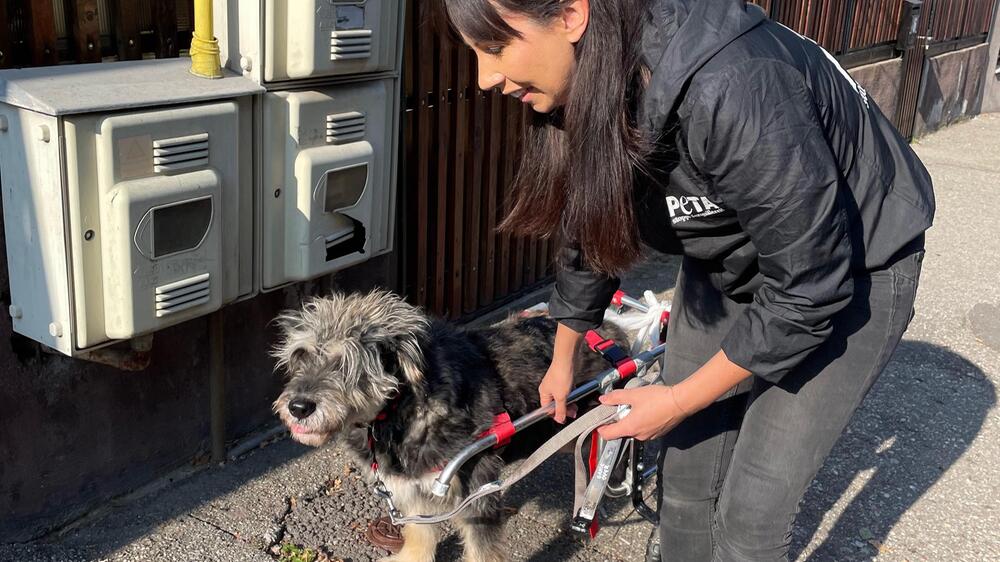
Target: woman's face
[(537, 67)]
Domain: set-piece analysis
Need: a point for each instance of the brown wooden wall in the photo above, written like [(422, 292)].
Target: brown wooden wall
[(461, 145), (461, 150), (842, 26), (959, 19), (46, 32)]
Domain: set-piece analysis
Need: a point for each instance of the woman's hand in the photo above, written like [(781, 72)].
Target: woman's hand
[(558, 380), (655, 411), (658, 409), (556, 386)]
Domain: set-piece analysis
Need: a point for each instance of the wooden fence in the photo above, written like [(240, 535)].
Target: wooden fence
[(847, 27), (460, 144), (46, 32), (459, 162), (840, 26), (461, 149)]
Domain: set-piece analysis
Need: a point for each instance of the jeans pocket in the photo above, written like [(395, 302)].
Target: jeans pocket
[(909, 267)]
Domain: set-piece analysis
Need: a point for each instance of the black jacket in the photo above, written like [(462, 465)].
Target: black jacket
[(774, 167)]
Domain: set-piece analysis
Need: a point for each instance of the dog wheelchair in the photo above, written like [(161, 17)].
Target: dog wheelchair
[(613, 469)]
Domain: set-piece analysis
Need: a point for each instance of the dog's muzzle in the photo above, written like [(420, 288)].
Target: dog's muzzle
[(301, 408)]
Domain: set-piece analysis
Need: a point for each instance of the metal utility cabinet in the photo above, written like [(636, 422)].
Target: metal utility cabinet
[(127, 198), (137, 196), (328, 126)]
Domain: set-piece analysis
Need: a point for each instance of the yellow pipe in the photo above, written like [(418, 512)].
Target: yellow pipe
[(204, 46)]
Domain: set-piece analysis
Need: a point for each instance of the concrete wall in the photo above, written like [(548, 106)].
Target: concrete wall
[(74, 434), (991, 80), (881, 80), (951, 89)]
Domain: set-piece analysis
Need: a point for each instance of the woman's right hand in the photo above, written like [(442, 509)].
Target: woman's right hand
[(558, 380)]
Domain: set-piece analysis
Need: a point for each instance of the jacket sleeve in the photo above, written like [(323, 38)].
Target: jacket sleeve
[(580, 295), (756, 135)]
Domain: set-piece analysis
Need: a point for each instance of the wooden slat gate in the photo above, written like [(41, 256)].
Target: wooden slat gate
[(914, 60), (461, 147)]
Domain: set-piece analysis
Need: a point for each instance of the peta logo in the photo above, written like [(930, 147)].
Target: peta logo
[(687, 208)]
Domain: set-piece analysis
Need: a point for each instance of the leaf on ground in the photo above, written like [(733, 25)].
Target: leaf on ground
[(879, 546)]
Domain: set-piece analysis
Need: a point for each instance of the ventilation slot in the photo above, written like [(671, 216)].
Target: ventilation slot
[(182, 295), (348, 45), (345, 127), (350, 240), (181, 153)]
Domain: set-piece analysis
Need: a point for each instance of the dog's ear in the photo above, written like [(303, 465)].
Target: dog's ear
[(399, 353), (294, 357), (295, 342)]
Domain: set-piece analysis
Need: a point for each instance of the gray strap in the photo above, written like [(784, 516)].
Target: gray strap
[(601, 415), (582, 426), (580, 469)]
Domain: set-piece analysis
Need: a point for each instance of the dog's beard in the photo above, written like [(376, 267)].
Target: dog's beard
[(329, 419), (311, 439), (316, 430)]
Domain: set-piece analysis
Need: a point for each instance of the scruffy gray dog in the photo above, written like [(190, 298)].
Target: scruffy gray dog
[(426, 389)]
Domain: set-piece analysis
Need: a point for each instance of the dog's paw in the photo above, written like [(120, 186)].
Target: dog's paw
[(402, 558)]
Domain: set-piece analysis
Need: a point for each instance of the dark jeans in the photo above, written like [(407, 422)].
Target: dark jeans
[(732, 475)]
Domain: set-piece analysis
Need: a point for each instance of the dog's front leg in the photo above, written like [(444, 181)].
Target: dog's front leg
[(419, 544), (484, 538)]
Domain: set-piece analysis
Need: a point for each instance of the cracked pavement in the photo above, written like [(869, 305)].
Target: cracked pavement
[(914, 478)]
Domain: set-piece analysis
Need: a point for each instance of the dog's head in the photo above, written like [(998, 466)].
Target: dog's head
[(347, 357)]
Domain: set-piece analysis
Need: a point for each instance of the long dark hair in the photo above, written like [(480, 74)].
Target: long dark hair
[(579, 163)]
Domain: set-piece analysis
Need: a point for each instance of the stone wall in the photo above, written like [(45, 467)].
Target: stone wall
[(951, 89)]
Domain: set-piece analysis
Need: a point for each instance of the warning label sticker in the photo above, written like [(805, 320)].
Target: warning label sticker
[(134, 157)]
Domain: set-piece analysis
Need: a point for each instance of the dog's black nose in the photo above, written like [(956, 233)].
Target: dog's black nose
[(301, 408)]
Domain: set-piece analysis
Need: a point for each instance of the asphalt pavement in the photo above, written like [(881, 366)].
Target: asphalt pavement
[(914, 478)]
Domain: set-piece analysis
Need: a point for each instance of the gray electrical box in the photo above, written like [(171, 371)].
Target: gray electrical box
[(127, 198), (279, 41)]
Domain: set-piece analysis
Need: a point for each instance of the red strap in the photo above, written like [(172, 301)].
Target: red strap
[(371, 450), (502, 428), (592, 465), (626, 368), (625, 365), (617, 298), (594, 340)]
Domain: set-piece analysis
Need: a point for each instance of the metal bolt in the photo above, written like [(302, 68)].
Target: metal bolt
[(15, 311), (277, 192), (89, 235), (55, 330), (42, 133)]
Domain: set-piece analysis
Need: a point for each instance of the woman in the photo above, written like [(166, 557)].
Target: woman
[(703, 128)]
